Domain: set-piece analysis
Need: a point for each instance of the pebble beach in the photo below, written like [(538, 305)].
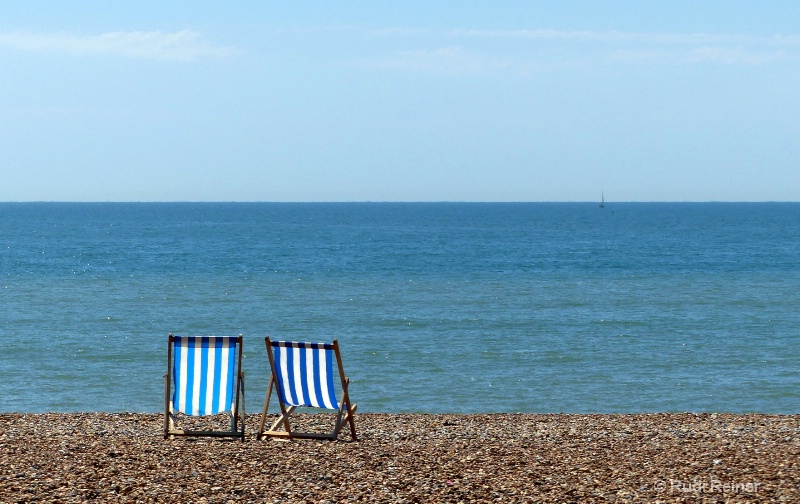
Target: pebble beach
[(663, 457)]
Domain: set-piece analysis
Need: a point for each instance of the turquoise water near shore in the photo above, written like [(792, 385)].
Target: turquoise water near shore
[(438, 307)]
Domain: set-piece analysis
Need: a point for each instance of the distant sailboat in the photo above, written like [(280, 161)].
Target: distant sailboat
[(602, 200)]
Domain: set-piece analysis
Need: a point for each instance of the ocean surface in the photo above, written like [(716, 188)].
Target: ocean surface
[(438, 307)]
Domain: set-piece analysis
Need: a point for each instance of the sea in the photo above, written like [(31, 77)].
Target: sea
[(437, 307)]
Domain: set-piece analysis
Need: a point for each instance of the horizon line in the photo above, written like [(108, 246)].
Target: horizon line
[(384, 201)]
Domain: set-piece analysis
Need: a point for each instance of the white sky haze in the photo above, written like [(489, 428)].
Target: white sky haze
[(400, 101)]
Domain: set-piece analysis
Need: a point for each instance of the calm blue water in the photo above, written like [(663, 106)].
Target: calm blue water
[(438, 307)]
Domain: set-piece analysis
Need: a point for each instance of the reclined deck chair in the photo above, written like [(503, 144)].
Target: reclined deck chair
[(303, 376), (206, 373)]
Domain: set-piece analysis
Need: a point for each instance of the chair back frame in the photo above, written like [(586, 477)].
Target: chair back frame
[(237, 413), (345, 410)]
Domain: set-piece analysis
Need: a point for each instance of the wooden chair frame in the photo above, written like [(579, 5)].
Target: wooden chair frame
[(345, 413), (237, 413)]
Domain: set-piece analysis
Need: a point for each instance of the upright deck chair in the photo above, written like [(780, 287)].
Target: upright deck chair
[(204, 377), (303, 376)]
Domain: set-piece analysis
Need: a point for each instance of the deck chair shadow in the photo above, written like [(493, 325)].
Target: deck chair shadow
[(303, 376), (204, 377)]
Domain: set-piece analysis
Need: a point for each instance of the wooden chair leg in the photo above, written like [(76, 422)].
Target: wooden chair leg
[(167, 417), (260, 433), (284, 419)]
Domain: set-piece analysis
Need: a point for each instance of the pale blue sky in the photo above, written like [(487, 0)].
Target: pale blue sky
[(400, 101)]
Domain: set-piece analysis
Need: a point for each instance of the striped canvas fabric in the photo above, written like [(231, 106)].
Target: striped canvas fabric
[(305, 374), (204, 374)]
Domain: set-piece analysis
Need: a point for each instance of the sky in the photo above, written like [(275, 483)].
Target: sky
[(378, 100)]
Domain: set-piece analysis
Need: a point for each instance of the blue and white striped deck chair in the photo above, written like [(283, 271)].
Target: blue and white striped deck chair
[(204, 377), (303, 375)]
